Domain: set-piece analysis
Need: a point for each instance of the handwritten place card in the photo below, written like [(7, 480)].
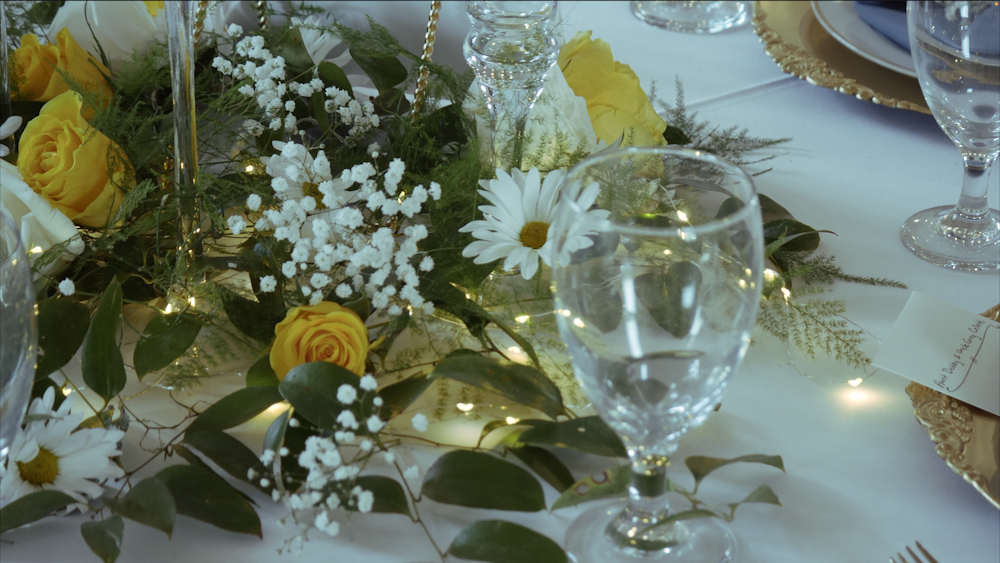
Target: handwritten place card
[(947, 349)]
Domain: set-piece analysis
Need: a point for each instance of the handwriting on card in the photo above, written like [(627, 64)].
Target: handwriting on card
[(965, 362)]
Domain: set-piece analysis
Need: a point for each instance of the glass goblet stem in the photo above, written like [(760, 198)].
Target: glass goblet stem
[(971, 221)]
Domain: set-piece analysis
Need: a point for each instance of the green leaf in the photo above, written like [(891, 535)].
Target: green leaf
[(499, 541), (588, 434), (333, 75), (611, 483), (254, 319), (700, 466), (400, 395), (389, 494), (798, 237), (261, 374), (204, 496), (62, 325), (318, 101), (291, 47), (771, 210), (385, 72), (105, 537), (101, 361), (690, 514), (31, 508), (392, 329), (762, 494), (480, 480), (235, 409), (522, 384), (275, 435), (312, 389), (164, 339), (664, 295), (228, 453), (361, 306), (520, 340), (490, 427), (676, 136), (546, 465), (149, 502)]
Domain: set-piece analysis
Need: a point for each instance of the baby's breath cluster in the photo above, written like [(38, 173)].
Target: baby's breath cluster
[(350, 233)]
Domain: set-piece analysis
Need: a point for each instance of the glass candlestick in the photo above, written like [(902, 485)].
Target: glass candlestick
[(181, 19), (511, 47)]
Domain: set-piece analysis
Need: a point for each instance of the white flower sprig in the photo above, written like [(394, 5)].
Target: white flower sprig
[(356, 238)]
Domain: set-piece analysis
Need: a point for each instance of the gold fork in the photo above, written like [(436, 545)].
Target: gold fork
[(916, 559)]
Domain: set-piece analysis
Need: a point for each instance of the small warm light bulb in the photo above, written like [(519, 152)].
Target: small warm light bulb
[(682, 216), (191, 301), (169, 309), (578, 322), (565, 312), (855, 382), (514, 350), (666, 252), (249, 168), (36, 250), (522, 319), (512, 420), (743, 284), (785, 293), (465, 407), (66, 391)]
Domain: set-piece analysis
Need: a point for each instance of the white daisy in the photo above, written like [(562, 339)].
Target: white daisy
[(518, 226), (319, 43), (48, 454)]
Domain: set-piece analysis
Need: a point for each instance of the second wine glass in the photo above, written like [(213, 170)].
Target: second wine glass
[(657, 280)]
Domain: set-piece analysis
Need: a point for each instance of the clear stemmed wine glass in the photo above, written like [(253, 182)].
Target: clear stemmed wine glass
[(692, 16), (18, 336), (656, 314), (957, 56)]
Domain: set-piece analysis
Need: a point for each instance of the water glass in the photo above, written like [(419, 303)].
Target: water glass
[(692, 17)]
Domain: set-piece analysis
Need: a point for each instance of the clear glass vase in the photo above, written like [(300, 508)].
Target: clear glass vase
[(511, 47)]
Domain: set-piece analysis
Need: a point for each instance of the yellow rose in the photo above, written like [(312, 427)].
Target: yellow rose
[(38, 64), (78, 169), (325, 332), (616, 101)]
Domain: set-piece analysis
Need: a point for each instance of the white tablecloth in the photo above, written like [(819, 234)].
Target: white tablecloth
[(862, 478)]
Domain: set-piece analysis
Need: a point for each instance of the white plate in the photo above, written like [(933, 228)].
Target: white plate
[(842, 21)]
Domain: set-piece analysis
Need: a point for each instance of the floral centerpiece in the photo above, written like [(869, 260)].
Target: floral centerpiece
[(337, 222)]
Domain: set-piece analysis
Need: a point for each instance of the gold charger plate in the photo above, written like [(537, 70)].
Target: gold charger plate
[(967, 438), (795, 39)]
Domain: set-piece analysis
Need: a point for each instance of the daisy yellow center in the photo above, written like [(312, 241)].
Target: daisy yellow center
[(40, 471), (312, 190), (534, 234)]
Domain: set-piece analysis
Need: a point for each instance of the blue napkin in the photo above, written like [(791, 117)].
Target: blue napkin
[(887, 18)]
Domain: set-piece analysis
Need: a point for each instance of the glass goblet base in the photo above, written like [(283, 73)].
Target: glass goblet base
[(701, 540), (924, 235), (692, 17)]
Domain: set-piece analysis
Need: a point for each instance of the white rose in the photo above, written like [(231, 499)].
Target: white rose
[(558, 110), (42, 226), (120, 27)]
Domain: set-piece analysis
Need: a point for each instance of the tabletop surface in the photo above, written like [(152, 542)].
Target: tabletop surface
[(862, 479)]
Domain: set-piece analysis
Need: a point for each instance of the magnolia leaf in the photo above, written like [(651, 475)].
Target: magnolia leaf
[(275, 435), (668, 299), (235, 409), (291, 47), (204, 496), (104, 538), (490, 427), (318, 101), (361, 306), (149, 502), (261, 374), (611, 483), (389, 494), (675, 136), (62, 325), (32, 507), (762, 494), (400, 395), (588, 434), (164, 339), (480, 480), (771, 210), (228, 453), (101, 360), (499, 541), (522, 384), (798, 237), (254, 319), (333, 75), (700, 466), (312, 389), (393, 101), (390, 332), (546, 465), (385, 72)]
